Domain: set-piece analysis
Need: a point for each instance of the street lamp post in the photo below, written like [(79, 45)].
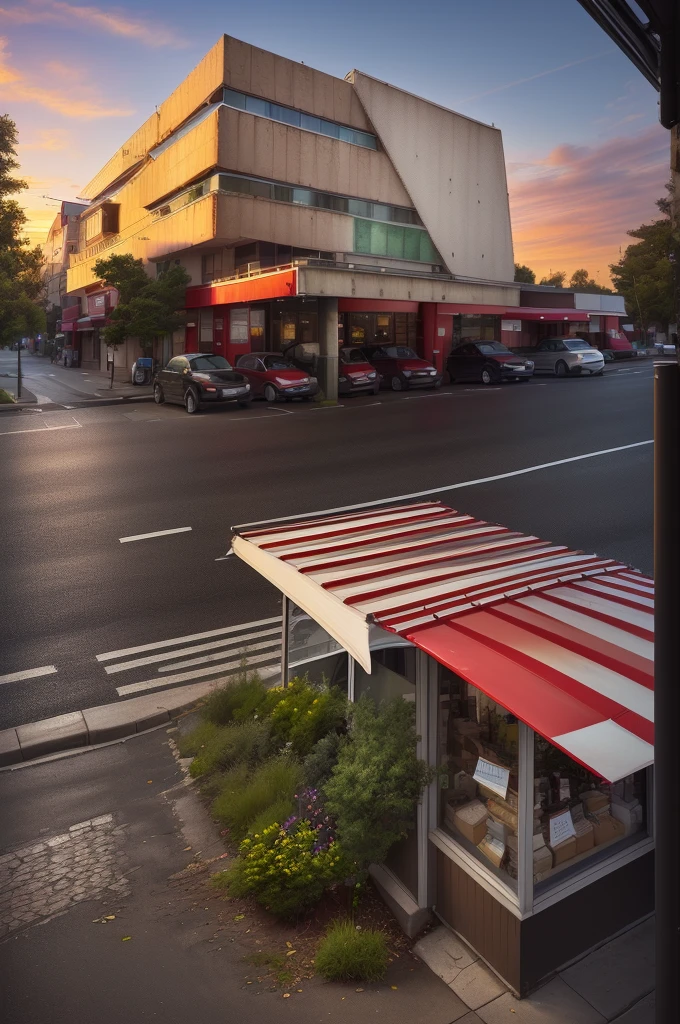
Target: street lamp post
[(19, 369)]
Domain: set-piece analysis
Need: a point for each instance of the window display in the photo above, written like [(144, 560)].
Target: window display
[(479, 751), (577, 814)]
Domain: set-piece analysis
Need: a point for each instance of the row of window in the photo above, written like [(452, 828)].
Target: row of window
[(398, 243), (286, 115)]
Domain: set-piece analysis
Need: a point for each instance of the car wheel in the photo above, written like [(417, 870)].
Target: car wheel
[(487, 376), (191, 403), (437, 384), (158, 395), (561, 368), (397, 384), (270, 393), (245, 404), (448, 377)]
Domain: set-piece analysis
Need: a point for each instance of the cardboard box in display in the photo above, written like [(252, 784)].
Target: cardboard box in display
[(629, 814), (606, 829), (470, 821), (585, 835), (595, 800), (492, 849), (543, 861), (564, 851)]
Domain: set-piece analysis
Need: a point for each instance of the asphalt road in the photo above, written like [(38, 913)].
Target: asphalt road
[(76, 481)]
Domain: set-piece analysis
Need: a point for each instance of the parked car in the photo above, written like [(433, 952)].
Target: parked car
[(275, 378), (400, 367), (567, 357), (355, 373), (489, 362), (200, 378)]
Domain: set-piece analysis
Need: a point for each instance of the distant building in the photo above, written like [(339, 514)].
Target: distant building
[(61, 243)]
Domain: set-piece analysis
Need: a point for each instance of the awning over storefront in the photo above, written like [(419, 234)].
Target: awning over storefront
[(278, 284), (564, 640), (549, 315)]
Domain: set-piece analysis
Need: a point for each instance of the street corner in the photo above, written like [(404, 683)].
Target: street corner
[(61, 871)]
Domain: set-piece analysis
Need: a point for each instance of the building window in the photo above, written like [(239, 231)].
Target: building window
[(238, 326), (379, 239), (475, 327), (206, 330), (295, 118), (257, 329)]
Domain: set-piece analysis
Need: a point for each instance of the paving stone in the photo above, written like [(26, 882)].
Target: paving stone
[(477, 985), (555, 1003)]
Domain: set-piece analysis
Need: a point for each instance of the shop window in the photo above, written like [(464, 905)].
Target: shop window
[(577, 816), (479, 759), (206, 330), (475, 327), (238, 326), (393, 674), (257, 329)]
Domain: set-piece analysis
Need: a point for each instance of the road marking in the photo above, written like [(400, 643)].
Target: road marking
[(183, 677), (208, 658), (158, 533), (125, 666), (29, 673), (43, 400), (317, 408), (176, 641), (286, 412), (223, 558), (441, 394), (447, 487), (43, 430)]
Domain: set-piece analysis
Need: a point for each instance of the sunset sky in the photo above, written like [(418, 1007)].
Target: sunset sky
[(585, 155)]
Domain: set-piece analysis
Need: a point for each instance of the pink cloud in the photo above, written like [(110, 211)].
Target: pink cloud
[(573, 208), (73, 16)]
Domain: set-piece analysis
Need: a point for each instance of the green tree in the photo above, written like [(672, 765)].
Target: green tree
[(374, 788), (644, 274), (582, 282), (555, 280), (147, 309), (524, 274), (20, 266)]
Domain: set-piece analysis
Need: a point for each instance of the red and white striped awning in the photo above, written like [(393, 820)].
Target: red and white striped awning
[(562, 639)]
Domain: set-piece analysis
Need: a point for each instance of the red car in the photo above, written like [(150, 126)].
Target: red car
[(400, 367), (275, 378), (355, 373)]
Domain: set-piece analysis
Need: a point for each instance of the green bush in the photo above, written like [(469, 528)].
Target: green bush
[(244, 742), (301, 714), (319, 764), (374, 787), (345, 954), (237, 701), (280, 870), (245, 794), (277, 812), (191, 744)]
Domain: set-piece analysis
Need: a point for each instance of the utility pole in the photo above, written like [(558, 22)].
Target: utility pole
[(19, 369)]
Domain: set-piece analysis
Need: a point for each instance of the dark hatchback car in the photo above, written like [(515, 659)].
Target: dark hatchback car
[(275, 378), (400, 367), (196, 379), (488, 362)]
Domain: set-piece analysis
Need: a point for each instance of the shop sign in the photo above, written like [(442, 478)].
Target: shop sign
[(493, 777), (511, 325), (561, 827), (441, 332), (219, 324)]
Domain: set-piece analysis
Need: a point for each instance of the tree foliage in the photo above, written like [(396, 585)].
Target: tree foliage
[(147, 309), (374, 787), (582, 282), (524, 274), (20, 266), (644, 274), (556, 279)]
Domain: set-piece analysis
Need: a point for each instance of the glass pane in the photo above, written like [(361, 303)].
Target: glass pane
[(312, 124), (362, 236), (234, 99), (304, 196), (479, 756), (578, 817), (395, 241), (359, 207), (328, 128), (381, 212), (284, 114), (364, 139), (428, 253), (378, 239), (238, 326), (306, 638), (347, 135), (255, 106), (400, 215), (411, 244)]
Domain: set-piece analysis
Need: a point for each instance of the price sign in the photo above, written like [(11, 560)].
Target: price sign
[(561, 827), (493, 776)]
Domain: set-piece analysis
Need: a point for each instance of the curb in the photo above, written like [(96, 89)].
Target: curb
[(97, 725)]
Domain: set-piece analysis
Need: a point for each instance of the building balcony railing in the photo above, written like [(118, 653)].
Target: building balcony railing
[(254, 271)]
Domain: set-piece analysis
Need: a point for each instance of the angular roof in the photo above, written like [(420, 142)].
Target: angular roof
[(563, 639)]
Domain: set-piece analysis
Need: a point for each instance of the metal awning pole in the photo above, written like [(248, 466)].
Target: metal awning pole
[(285, 638), (667, 686)]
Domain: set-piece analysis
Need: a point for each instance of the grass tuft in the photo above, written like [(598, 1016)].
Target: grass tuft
[(237, 701), (241, 743), (191, 744), (345, 954), (245, 794)]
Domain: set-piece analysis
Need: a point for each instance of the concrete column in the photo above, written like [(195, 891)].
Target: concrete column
[(327, 369)]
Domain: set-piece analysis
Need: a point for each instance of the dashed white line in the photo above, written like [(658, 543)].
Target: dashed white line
[(157, 533), (42, 430), (29, 673), (125, 666), (176, 641), (208, 658), (183, 677)]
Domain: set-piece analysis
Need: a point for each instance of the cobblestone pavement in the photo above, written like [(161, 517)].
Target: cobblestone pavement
[(51, 876)]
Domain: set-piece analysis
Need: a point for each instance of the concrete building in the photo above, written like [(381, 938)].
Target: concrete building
[(308, 209), (61, 243)]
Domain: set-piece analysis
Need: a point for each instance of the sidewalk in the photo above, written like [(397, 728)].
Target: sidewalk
[(83, 384), (613, 983)]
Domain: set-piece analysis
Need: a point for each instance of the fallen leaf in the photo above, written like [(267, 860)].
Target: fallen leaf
[(394, 987), (290, 945), (298, 990), (186, 848), (238, 917), (110, 917), (149, 781), (291, 951), (249, 983), (286, 995), (126, 938), (358, 990)]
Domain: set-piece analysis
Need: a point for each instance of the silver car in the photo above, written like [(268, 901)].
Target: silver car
[(567, 357)]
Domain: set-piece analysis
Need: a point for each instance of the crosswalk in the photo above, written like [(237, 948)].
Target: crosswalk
[(197, 656)]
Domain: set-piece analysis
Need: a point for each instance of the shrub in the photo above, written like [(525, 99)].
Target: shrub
[(281, 870), (374, 787), (279, 811), (246, 794), (345, 954), (322, 759), (244, 742), (237, 701), (190, 744), (301, 714)]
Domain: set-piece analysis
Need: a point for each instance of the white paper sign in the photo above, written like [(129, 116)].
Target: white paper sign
[(492, 776), (561, 827)]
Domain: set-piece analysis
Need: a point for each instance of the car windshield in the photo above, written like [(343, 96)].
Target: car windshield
[(210, 363), (574, 344), (399, 352), (277, 363), (352, 355), (487, 348)]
